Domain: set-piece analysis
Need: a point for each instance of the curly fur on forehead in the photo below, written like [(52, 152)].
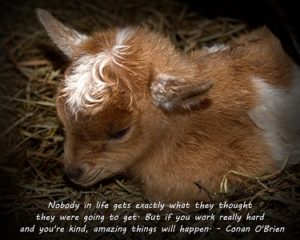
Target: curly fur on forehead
[(85, 85)]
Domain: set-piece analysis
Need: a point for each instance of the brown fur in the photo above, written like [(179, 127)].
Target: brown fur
[(167, 151)]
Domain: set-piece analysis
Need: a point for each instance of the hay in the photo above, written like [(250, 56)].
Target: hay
[(32, 138)]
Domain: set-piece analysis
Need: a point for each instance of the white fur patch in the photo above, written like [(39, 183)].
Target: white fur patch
[(216, 48), (85, 86), (278, 115), (119, 49)]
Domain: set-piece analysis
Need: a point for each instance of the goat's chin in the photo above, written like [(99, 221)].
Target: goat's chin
[(90, 179), (88, 184)]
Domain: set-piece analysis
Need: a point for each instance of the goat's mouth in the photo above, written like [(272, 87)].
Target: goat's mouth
[(90, 179)]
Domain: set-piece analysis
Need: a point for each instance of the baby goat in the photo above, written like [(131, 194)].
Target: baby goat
[(176, 123)]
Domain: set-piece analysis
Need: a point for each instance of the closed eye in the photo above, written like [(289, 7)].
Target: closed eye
[(119, 134)]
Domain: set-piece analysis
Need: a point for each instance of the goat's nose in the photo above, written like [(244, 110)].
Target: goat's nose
[(74, 173)]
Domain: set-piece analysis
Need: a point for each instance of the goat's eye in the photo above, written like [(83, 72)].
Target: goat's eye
[(119, 134)]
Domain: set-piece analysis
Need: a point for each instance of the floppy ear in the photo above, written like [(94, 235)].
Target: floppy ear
[(64, 37), (170, 92)]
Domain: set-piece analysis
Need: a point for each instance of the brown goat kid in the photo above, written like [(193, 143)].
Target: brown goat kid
[(176, 123)]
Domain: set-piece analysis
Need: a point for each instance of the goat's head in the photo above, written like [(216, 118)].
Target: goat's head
[(117, 96)]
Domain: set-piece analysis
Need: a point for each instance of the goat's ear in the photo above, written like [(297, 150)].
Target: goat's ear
[(171, 93), (64, 37)]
